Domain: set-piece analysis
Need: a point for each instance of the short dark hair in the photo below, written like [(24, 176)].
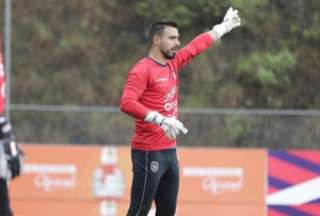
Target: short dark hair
[(157, 27)]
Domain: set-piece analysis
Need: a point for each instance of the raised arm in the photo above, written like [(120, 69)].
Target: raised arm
[(204, 41)]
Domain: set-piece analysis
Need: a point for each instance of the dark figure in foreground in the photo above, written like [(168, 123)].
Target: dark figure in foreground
[(10, 164)]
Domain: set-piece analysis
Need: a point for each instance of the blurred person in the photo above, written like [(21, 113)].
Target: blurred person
[(10, 164), (151, 97)]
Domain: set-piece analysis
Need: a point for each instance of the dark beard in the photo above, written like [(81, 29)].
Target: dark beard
[(167, 55)]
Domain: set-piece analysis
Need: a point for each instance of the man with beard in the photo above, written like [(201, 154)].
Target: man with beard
[(151, 97)]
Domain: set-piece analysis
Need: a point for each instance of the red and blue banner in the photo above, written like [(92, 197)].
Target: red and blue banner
[(294, 183)]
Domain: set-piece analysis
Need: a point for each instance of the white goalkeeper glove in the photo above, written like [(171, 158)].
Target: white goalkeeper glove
[(171, 126), (230, 21)]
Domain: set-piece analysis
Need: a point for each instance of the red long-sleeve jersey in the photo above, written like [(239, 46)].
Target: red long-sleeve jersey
[(154, 87)]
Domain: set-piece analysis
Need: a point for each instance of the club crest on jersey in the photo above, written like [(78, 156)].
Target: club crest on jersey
[(154, 166)]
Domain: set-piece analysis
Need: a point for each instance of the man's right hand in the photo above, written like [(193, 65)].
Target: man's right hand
[(171, 126)]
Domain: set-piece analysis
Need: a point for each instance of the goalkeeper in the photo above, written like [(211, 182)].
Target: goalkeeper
[(151, 97), (10, 163)]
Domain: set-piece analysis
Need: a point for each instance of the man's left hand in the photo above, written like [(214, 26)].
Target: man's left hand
[(231, 20)]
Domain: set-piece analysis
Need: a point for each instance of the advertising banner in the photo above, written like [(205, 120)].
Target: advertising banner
[(294, 183), (95, 181), (72, 172), (222, 175), (59, 179)]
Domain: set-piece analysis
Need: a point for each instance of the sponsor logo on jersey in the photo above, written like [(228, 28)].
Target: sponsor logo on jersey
[(164, 79)]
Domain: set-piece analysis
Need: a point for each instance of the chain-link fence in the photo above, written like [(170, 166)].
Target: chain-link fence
[(207, 127)]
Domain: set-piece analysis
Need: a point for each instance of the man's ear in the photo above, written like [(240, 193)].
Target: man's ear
[(156, 40)]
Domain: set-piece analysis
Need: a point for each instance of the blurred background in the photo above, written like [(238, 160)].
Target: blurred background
[(258, 87), (66, 65)]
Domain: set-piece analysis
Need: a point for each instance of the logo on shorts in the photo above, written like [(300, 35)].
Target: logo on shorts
[(154, 166)]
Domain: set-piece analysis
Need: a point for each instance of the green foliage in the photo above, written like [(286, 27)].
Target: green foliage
[(164, 9), (268, 68), (313, 32), (279, 132)]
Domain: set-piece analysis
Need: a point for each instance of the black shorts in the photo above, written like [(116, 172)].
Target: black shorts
[(155, 177)]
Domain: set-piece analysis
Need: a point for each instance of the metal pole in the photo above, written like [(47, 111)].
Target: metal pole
[(7, 54)]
